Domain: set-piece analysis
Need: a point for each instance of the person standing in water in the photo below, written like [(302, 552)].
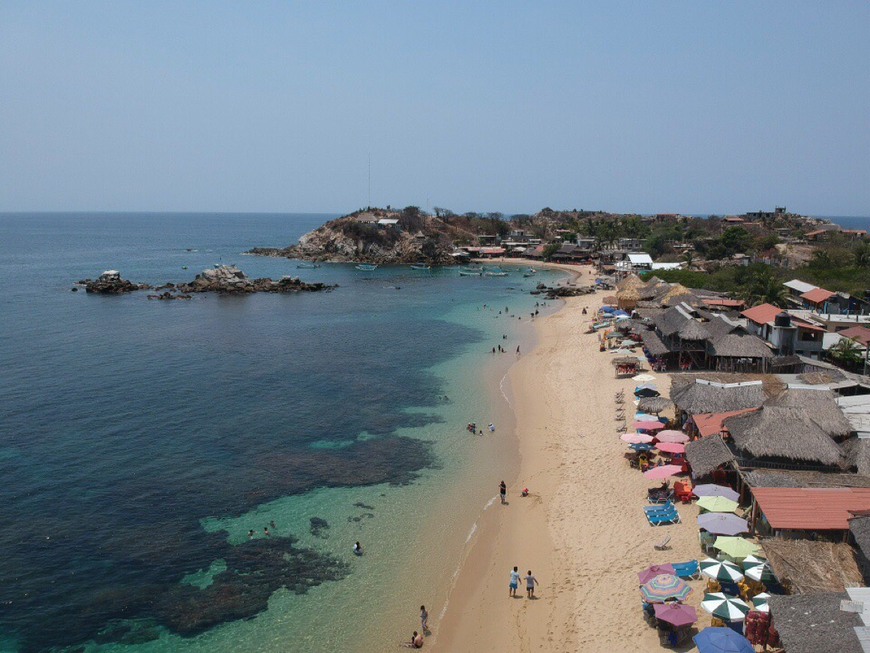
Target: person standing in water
[(502, 491), (424, 619)]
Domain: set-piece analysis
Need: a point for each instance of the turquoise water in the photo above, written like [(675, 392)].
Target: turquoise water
[(142, 441)]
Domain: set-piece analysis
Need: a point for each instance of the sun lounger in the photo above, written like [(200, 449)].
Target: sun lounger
[(663, 518), (688, 570), (663, 545), (667, 505)]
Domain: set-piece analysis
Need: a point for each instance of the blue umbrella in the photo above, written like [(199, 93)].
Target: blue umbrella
[(722, 640), (607, 309)]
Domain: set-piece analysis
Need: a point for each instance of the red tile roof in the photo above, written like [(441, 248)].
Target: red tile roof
[(818, 295), (711, 423), (859, 333), (762, 314), (816, 509)]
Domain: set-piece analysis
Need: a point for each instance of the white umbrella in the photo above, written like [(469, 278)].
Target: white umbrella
[(643, 378), (726, 607), (759, 602), (756, 568), (721, 570)]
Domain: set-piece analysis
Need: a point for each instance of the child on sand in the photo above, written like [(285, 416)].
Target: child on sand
[(531, 581)]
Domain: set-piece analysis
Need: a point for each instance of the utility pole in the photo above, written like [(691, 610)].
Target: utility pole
[(370, 180)]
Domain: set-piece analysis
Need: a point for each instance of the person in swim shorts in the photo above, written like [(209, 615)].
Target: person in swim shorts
[(514, 583)]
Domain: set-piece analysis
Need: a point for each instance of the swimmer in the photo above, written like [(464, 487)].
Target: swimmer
[(266, 531), (357, 549), (251, 534)]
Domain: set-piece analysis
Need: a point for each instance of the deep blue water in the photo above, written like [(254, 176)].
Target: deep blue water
[(849, 222), (125, 421)]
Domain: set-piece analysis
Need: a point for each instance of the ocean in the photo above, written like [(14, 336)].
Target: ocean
[(145, 446)]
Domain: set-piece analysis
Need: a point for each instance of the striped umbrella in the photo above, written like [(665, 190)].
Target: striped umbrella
[(759, 602), (664, 587), (721, 570), (726, 607), (757, 568)]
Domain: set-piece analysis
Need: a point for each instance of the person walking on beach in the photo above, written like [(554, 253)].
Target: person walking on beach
[(531, 581), (502, 491), (424, 619), (518, 350), (515, 582)]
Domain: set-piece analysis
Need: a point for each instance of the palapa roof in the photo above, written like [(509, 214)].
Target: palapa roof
[(860, 529), (654, 344), (821, 377), (707, 455), (857, 452), (807, 566), (631, 281), (814, 623), (671, 321), (702, 396), (676, 290), (784, 432), (821, 405), (693, 330), (653, 404), (736, 345), (625, 360), (803, 478), (718, 326)]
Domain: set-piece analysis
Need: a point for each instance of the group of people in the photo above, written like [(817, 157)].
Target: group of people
[(266, 531), (417, 637), (514, 584), (471, 427)]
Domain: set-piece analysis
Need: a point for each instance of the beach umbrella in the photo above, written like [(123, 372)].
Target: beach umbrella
[(722, 640), (643, 378), (717, 504), (721, 570), (662, 471), (670, 435), (759, 602), (676, 614), (607, 309), (725, 606), (711, 489), (664, 587), (736, 547), (671, 447), (641, 447), (649, 573), (646, 392), (644, 417), (636, 438), (654, 404), (721, 523), (648, 425), (757, 568)]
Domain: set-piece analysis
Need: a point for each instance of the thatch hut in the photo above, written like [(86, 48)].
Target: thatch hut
[(857, 452), (707, 455), (654, 344), (821, 405), (859, 527), (628, 292), (676, 293), (807, 566), (784, 434), (693, 330), (705, 396), (814, 623), (653, 404), (739, 352)]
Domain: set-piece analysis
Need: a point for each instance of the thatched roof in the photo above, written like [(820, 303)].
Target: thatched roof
[(789, 433), (814, 623), (806, 566), (676, 290), (625, 360), (718, 327), (860, 529), (707, 454), (737, 345), (711, 397), (671, 321), (857, 452), (821, 377), (797, 479), (822, 407), (653, 404), (631, 281), (654, 344), (693, 330)]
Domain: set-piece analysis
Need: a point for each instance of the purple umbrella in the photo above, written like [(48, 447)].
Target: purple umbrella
[(676, 614), (651, 572), (713, 490), (722, 523)]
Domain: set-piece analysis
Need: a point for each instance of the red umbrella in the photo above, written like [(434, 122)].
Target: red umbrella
[(676, 614), (636, 438), (651, 572), (671, 447), (663, 471), (648, 426), (670, 435)]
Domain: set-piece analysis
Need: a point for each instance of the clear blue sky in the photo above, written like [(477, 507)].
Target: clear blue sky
[(688, 107)]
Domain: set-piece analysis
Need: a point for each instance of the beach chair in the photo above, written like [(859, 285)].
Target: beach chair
[(667, 505), (663, 518), (683, 491), (690, 570), (707, 540), (663, 545)]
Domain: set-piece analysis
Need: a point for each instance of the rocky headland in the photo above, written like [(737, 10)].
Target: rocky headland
[(378, 236), (225, 279)]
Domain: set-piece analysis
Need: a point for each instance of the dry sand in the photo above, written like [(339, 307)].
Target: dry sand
[(582, 531)]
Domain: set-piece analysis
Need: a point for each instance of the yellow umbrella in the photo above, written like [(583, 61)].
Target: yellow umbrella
[(736, 547), (717, 504)]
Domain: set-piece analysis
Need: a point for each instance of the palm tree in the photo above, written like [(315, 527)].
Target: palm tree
[(763, 287), (861, 253), (846, 352)]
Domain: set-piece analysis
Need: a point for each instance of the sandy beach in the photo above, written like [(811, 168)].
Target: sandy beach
[(581, 531)]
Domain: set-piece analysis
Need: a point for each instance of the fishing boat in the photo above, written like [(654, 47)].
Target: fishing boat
[(366, 267), (307, 266), (496, 272), (421, 266)]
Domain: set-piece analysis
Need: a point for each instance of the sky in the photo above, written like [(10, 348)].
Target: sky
[(690, 107)]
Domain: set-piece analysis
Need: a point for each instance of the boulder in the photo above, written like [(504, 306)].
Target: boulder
[(111, 283)]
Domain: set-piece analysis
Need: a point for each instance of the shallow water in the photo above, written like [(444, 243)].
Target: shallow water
[(141, 441)]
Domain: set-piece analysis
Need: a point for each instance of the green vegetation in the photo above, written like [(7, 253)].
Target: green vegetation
[(756, 284)]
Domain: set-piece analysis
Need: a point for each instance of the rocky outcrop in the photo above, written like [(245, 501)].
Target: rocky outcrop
[(562, 291), (111, 283), (229, 279)]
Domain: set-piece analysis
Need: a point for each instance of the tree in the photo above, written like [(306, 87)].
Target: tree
[(763, 287), (550, 249), (846, 352), (689, 258), (861, 255)]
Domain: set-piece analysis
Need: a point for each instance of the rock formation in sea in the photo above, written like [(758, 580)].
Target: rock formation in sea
[(111, 283), (229, 279), (377, 236)]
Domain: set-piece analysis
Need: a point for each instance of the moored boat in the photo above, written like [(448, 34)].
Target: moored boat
[(366, 267), (495, 272), (420, 266), (469, 273), (307, 266)]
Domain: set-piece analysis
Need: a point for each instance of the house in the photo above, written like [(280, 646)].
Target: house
[(630, 244), (796, 287), (388, 222), (786, 333), (859, 334), (809, 509), (817, 299)]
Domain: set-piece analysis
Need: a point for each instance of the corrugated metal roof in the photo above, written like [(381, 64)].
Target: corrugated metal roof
[(800, 286), (815, 509)]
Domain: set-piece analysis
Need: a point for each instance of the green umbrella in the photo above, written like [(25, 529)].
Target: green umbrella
[(759, 602), (724, 606), (736, 547), (757, 569), (721, 570), (717, 504)]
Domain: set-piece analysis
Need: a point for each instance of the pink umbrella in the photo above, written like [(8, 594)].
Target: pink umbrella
[(636, 438), (670, 435), (676, 614), (651, 572), (662, 471), (671, 447), (648, 426)]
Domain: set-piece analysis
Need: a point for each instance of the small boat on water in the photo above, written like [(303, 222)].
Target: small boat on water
[(307, 266), (496, 272), (469, 273), (421, 266), (366, 267)]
